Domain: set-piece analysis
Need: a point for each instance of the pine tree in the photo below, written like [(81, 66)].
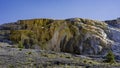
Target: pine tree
[(110, 58)]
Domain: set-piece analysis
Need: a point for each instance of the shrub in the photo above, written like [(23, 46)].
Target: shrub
[(20, 45), (110, 57), (11, 66), (85, 61), (20, 49), (29, 53)]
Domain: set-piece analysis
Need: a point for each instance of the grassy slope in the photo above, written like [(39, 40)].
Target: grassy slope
[(29, 58)]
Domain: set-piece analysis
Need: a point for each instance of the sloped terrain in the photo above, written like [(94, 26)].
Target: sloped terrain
[(34, 58), (114, 35), (48, 43), (75, 35)]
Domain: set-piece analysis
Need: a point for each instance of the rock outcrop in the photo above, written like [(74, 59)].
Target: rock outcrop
[(75, 35), (114, 34)]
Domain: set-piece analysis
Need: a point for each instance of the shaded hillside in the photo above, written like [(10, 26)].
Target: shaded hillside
[(75, 35)]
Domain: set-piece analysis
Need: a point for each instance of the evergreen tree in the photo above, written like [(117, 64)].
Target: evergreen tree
[(110, 58)]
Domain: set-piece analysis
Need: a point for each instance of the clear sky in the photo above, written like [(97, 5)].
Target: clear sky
[(13, 10)]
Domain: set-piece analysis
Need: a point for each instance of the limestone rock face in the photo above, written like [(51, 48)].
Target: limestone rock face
[(74, 35), (114, 34)]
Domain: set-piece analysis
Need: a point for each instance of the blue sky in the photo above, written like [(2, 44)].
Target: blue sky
[(13, 10)]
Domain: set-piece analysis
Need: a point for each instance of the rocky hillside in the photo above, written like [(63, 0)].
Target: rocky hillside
[(74, 35), (48, 43), (114, 34)]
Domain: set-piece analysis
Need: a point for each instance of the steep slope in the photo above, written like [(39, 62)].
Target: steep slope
[(114, 34), (75, 35)]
